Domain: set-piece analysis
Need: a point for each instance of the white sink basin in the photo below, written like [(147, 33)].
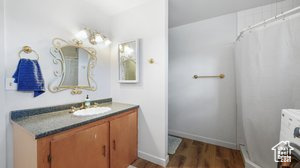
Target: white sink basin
[(91, 111)]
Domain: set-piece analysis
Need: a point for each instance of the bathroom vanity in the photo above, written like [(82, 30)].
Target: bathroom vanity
[(55, 138)]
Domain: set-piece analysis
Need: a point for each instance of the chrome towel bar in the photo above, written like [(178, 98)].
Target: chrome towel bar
[(216, 76)]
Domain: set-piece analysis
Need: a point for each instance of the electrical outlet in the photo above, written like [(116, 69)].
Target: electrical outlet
[(10, 84)]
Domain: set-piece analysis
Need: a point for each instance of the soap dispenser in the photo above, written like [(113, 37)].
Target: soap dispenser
[(87, 101)]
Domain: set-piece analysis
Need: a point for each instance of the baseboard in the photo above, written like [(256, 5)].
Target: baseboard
[(248, 163), (203, 139), (154, 159)]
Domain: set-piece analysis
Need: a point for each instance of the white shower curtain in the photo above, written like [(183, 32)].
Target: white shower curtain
[(268, 80)]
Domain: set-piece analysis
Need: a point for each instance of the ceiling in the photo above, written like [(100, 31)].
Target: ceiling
[(187, 11)]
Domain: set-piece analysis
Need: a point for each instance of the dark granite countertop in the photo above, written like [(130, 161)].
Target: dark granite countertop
[(49, 123)]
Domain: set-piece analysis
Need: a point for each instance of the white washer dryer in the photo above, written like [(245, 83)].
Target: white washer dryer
[(290, 126), (290, 131)]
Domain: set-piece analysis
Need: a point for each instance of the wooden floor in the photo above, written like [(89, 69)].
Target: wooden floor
[(194, 154)]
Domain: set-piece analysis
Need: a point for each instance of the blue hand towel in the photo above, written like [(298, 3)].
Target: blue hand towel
[(29, 77)]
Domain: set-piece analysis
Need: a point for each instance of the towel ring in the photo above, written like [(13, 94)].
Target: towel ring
[(28, 50)]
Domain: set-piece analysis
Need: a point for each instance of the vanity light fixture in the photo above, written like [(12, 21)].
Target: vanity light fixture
[(93, 36)]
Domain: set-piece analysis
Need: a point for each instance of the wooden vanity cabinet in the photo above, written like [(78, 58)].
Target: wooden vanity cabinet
[(107, 143), (87, 148), (123, 141)]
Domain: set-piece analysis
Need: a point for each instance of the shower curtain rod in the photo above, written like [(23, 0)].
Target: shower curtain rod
[(275, 18)]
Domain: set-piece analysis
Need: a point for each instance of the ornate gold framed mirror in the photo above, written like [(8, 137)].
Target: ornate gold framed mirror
[(76, 65)]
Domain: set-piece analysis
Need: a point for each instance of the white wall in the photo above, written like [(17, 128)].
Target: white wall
[(36, 23), (203, 109), (2, 95), (149, 23)]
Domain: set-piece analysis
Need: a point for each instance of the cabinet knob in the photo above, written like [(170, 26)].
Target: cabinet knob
[(104, 150), (114, 144), (49, 158)]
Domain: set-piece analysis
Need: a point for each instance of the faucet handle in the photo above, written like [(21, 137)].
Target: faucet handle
[(73, 109), (95, 105), (82, 106)]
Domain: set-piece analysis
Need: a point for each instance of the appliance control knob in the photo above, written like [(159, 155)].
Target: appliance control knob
[(297, 132)]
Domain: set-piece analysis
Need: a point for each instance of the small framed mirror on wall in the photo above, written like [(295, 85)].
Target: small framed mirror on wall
[(128, 53)]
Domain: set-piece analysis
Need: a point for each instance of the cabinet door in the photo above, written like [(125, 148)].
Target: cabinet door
[(85, 149), (123, 141)]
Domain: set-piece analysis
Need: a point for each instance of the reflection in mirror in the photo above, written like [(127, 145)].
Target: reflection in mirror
[(76, 65), (76, 62), (128, 62)]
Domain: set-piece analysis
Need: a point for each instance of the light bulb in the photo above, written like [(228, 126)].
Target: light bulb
[(98, 38), (120, 47), (82, 34), (107, 42), (128, 50)]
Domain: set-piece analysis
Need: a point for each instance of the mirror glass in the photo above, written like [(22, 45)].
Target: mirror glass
[(128, 62), (76, 62)]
